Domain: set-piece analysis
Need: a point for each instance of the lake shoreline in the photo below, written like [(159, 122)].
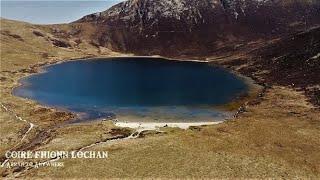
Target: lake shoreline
[(239, 102)]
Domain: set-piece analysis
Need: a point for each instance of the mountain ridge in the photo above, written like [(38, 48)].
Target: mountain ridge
[(197, 26)]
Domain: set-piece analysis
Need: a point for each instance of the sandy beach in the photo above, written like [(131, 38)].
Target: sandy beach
[(156, 126)]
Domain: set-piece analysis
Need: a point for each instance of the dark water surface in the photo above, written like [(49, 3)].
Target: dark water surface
[(137, 87)]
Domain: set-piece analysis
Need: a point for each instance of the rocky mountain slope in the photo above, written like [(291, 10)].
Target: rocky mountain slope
[(197, 26), (292, 61)]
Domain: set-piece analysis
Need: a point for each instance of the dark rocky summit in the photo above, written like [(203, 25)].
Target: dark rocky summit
[(197, 26)]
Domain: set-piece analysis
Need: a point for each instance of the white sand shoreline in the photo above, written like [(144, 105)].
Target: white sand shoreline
[(155, 125)]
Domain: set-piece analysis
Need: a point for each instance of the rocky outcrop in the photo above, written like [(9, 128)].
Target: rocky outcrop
[(197, 26), (15, 36), (60, 43)]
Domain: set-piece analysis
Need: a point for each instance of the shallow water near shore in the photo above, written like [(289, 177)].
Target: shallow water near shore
[(136, 89)]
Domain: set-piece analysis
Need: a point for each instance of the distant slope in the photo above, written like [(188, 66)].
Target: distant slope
[(23, 44), (197, 26), (289, 61)]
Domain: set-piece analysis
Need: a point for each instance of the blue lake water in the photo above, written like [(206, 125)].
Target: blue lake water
[(138, 87), (52, 12)]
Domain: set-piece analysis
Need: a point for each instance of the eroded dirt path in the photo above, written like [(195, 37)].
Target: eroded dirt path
[(31, 125)]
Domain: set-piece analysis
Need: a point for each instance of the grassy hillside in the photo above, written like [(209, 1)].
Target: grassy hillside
[(23, 44)]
